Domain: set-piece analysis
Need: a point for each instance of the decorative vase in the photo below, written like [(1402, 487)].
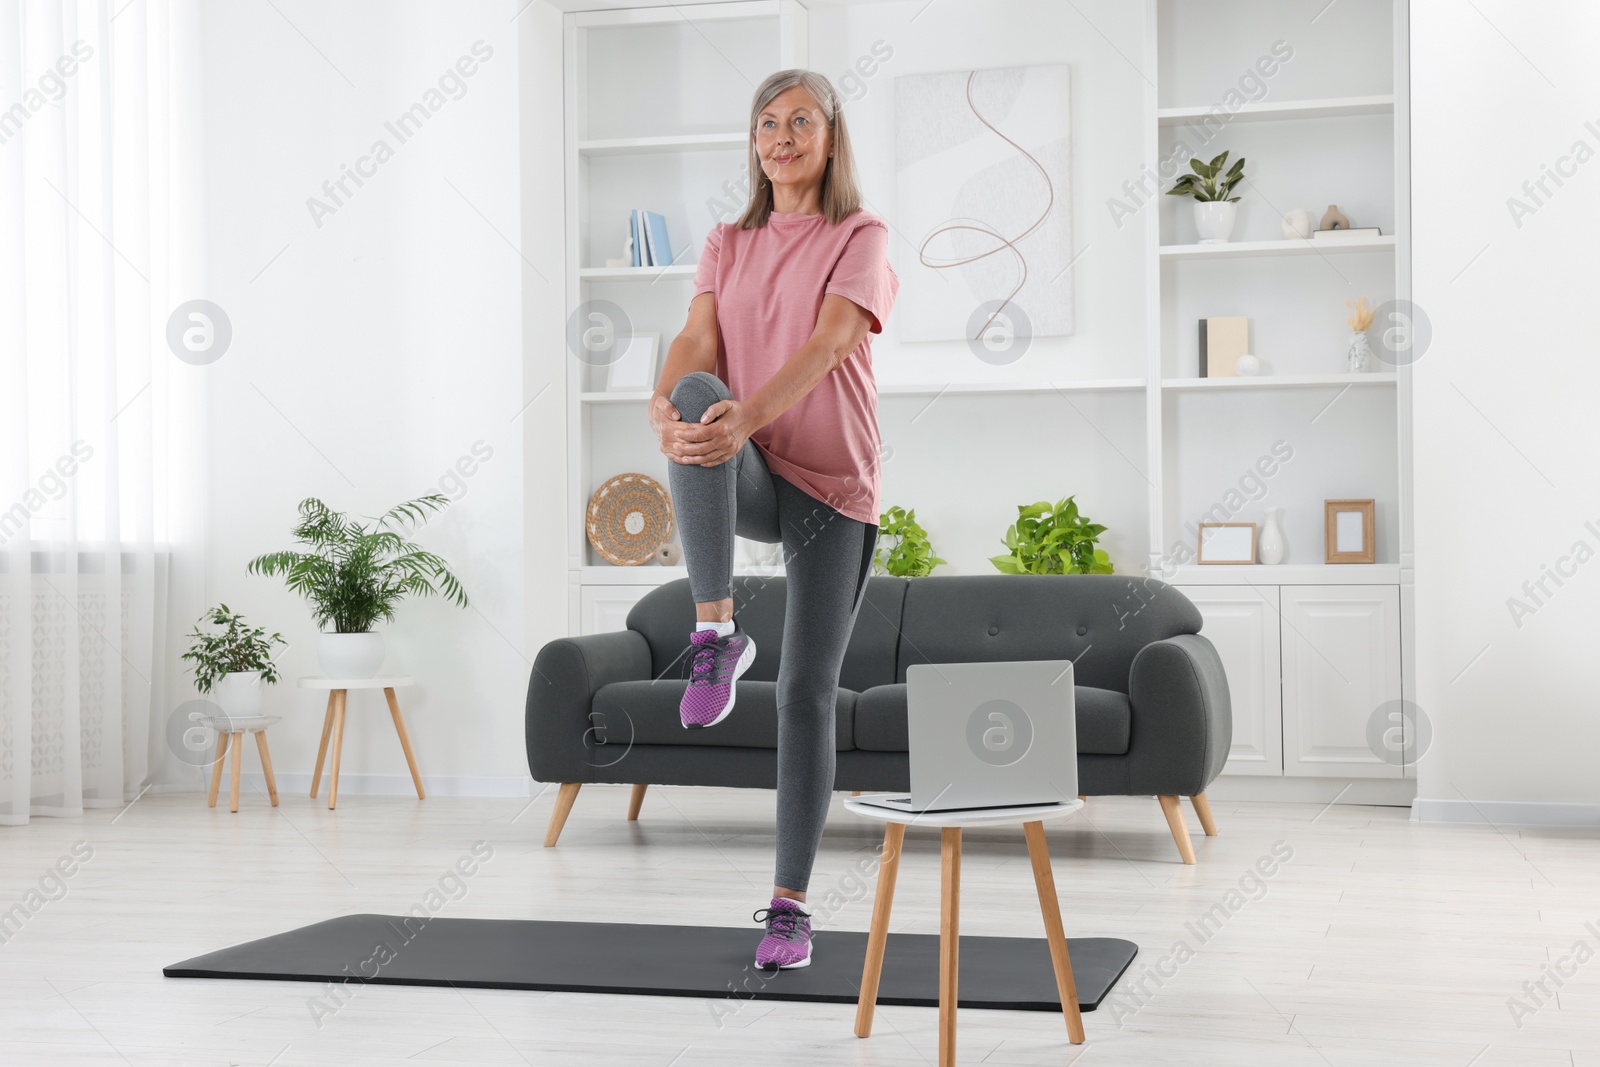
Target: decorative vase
[(1213, 219), (669, 554), (1297, 223), (350, 655), (1358, 356), (1270, 546), (238, 694)]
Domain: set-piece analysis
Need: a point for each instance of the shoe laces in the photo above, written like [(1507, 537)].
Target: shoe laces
[(781, 922), (703, 665)]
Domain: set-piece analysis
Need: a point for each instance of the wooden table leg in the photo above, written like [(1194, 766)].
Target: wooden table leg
[(216, 770), (322, 750), (949, 940), (234, 759), (266, 766), (1044, 880), (894, 834), (405, 742), (341, 698)]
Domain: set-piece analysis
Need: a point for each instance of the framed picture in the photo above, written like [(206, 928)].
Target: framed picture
[(1227, 542), (1348, 531), (635, 365)]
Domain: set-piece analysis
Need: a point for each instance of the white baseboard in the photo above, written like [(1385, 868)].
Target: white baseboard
[(1394, 792), (1504, 812)]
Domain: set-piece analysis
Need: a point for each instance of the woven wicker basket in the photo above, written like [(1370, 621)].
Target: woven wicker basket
[(628, 519)]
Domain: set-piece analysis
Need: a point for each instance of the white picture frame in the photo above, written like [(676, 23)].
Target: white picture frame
[(634, 369)]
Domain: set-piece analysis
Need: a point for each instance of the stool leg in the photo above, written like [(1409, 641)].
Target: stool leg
[(322, 750), (949, 940), (1044, 880), (405, 741), (894, 834), (341, 698), (216, 769), (234, 759), (266, 766)]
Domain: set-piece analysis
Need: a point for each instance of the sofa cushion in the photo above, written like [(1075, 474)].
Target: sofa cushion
[(1103, 719), (646, 713), (1099, 621)]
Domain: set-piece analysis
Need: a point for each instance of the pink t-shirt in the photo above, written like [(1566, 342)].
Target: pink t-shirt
[(769, 284)]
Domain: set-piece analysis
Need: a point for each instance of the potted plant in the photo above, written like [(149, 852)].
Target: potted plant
[(232, 664), (911, 555), (1053, 539), (1214, 209), (353, 574)]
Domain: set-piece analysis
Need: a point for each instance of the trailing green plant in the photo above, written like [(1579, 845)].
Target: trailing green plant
[(353, 574), (1053, 539), (236, 648), (1203, 183), (911, 555)]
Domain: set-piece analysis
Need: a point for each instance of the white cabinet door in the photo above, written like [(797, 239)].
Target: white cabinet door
[(604, 608), (1341, 665), (1242, 622)]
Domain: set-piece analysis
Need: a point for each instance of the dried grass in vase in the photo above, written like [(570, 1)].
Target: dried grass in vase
[(1361, 317)]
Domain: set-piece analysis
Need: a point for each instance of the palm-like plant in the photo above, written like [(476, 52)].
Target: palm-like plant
[(1204, 185), (355, 573)]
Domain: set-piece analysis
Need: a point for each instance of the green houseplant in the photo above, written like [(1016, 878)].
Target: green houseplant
[(1053, 539), (911, 554), (232, 663), (1215, 208), (353, 574)]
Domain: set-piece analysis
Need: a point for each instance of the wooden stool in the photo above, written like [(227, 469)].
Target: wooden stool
[(950, 823), (333, 726), (235, 729)]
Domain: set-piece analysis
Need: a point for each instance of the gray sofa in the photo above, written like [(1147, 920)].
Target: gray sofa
[(1153, 717)]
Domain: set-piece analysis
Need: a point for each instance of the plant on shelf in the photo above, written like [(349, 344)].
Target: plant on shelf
[(354, 574), (911, 556), (234, 663), (1214, 208), (1053, 539), (1358, 354)]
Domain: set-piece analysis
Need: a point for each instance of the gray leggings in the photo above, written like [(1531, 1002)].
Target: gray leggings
[(827, 558)]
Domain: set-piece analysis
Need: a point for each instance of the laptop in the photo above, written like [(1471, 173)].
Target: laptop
[(988, 735)]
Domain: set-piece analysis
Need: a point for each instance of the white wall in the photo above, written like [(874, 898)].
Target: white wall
[(1505, 408), (375, 351)]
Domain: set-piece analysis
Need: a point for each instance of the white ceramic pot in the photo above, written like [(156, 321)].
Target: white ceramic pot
[(1271, 546), (1214, 220), (350, 655), (238, 694)]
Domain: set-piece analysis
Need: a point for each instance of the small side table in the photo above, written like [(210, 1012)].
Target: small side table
[(333, 726), (950, 824), (233, 729)]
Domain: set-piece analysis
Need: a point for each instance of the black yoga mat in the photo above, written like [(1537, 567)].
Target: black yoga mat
[(668, 961)]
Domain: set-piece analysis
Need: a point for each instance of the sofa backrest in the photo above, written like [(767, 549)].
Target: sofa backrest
[(1100, 621)]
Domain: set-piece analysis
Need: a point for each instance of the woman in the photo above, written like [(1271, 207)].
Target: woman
[(768, 412)]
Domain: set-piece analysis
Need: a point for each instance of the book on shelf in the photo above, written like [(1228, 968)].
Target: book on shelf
[(1223, 339), (1346, 231), (633, 233), (651, 246)]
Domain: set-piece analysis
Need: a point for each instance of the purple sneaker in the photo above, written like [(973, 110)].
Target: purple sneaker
[(715, 663), (788, 940)]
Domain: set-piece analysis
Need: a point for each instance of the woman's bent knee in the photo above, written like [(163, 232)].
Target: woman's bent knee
[(695, 392)]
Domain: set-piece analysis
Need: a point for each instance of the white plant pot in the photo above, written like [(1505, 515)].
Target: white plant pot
[(238, 694), (350, 655), (1214, 220)]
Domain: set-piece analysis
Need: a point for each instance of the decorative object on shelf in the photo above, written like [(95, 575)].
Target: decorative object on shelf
[(911, 555), (1053, 539), (1214, 209), (355, 574), (234, 664), (1297, 223), (1358, 353), (1334, 219), (635, 365), (1247, 366), (1346, 233), (629, 517), (669, 554), (1227, 542), (1222, 341), (1271, 547), (1348, 527), (624, 260), (648, 238)]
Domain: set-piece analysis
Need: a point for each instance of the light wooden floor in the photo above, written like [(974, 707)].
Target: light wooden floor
[(1379, 942)]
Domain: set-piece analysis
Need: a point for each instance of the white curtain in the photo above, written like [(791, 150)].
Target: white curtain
[(100, 463)]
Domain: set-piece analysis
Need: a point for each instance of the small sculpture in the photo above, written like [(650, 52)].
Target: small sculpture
[(1248, 366), (1333, 219), (1297, 223), (669, 554)]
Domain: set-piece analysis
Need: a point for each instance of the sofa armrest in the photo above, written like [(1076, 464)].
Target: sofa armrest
[(1182, 718), (566, 675)]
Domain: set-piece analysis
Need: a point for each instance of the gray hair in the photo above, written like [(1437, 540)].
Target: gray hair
[(841, 192)]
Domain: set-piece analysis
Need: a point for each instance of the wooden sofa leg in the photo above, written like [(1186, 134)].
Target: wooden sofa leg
[(1202, 808), (855, 792), (1180, 831), (558, 817), (636, 801)]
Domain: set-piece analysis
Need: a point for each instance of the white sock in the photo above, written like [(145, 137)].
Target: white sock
[(802, 905), (723, 628)]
